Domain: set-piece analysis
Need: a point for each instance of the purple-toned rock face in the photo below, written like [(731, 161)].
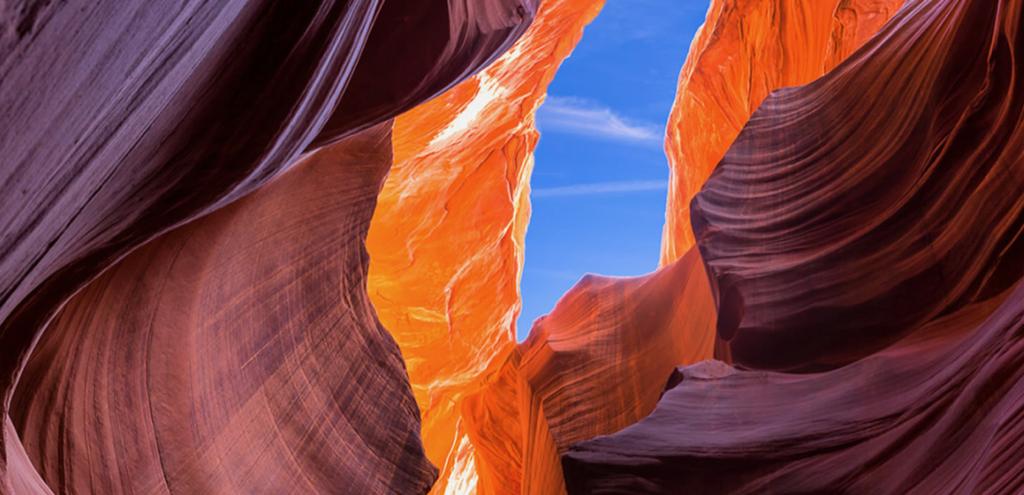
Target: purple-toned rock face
[(124, 119), (833, 227), (936, 414), (236, 354), (873, 217)]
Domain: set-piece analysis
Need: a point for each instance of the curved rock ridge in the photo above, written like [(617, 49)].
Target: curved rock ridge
[(446, 240), (237, 354), (795, 227), (600, 360), (938, 415), (879, 244), (596, 364), (136, 117), (745, 50)]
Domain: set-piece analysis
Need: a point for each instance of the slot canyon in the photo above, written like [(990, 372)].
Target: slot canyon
[(250, 246)]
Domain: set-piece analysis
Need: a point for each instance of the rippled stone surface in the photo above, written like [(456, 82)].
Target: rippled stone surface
[(596, 364), (187, 296), (237, 354), (745, 50)]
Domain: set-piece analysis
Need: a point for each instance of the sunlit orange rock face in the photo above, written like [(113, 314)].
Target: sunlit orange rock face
[(212, 328), (446, 241), (446, 248), (745, 50)]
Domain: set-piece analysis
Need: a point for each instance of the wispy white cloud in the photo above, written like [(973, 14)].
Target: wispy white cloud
[(600, 188), (586, 118)]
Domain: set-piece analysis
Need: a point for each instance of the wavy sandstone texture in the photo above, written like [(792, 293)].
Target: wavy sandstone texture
[(745, 50), (447, 237), (882, 243), (242, 328), (600, 360), (136, 117)]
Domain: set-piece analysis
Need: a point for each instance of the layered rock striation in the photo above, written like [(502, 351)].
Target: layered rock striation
[(597, 363), (237, 354), (794, 227), (225, 269), (745, 50)]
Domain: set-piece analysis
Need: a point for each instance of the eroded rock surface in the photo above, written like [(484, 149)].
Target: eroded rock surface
[(237, 354), (745, 50)]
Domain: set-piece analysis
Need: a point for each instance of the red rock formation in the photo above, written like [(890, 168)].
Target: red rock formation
[(209, 338), (888, 233), (597, 363), (600, 360), (446, 241), (495, 415), (237, 354), (745, 50), (794, 239), (446, 245), (136, 117), (928, 416)]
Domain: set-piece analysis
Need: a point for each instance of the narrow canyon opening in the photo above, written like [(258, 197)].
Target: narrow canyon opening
[(600, 177)]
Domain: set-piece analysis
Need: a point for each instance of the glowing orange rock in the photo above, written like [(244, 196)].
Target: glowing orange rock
[(745, 50), (446, 240)]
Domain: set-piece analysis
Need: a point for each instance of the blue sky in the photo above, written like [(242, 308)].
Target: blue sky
[(599, 181)]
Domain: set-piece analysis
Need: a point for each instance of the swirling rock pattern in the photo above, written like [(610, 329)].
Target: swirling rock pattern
[(185, 304), (894, 265), (600, 360), (745, 50), (936, 415), (794, 227), (256, 362), (136, 117)]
